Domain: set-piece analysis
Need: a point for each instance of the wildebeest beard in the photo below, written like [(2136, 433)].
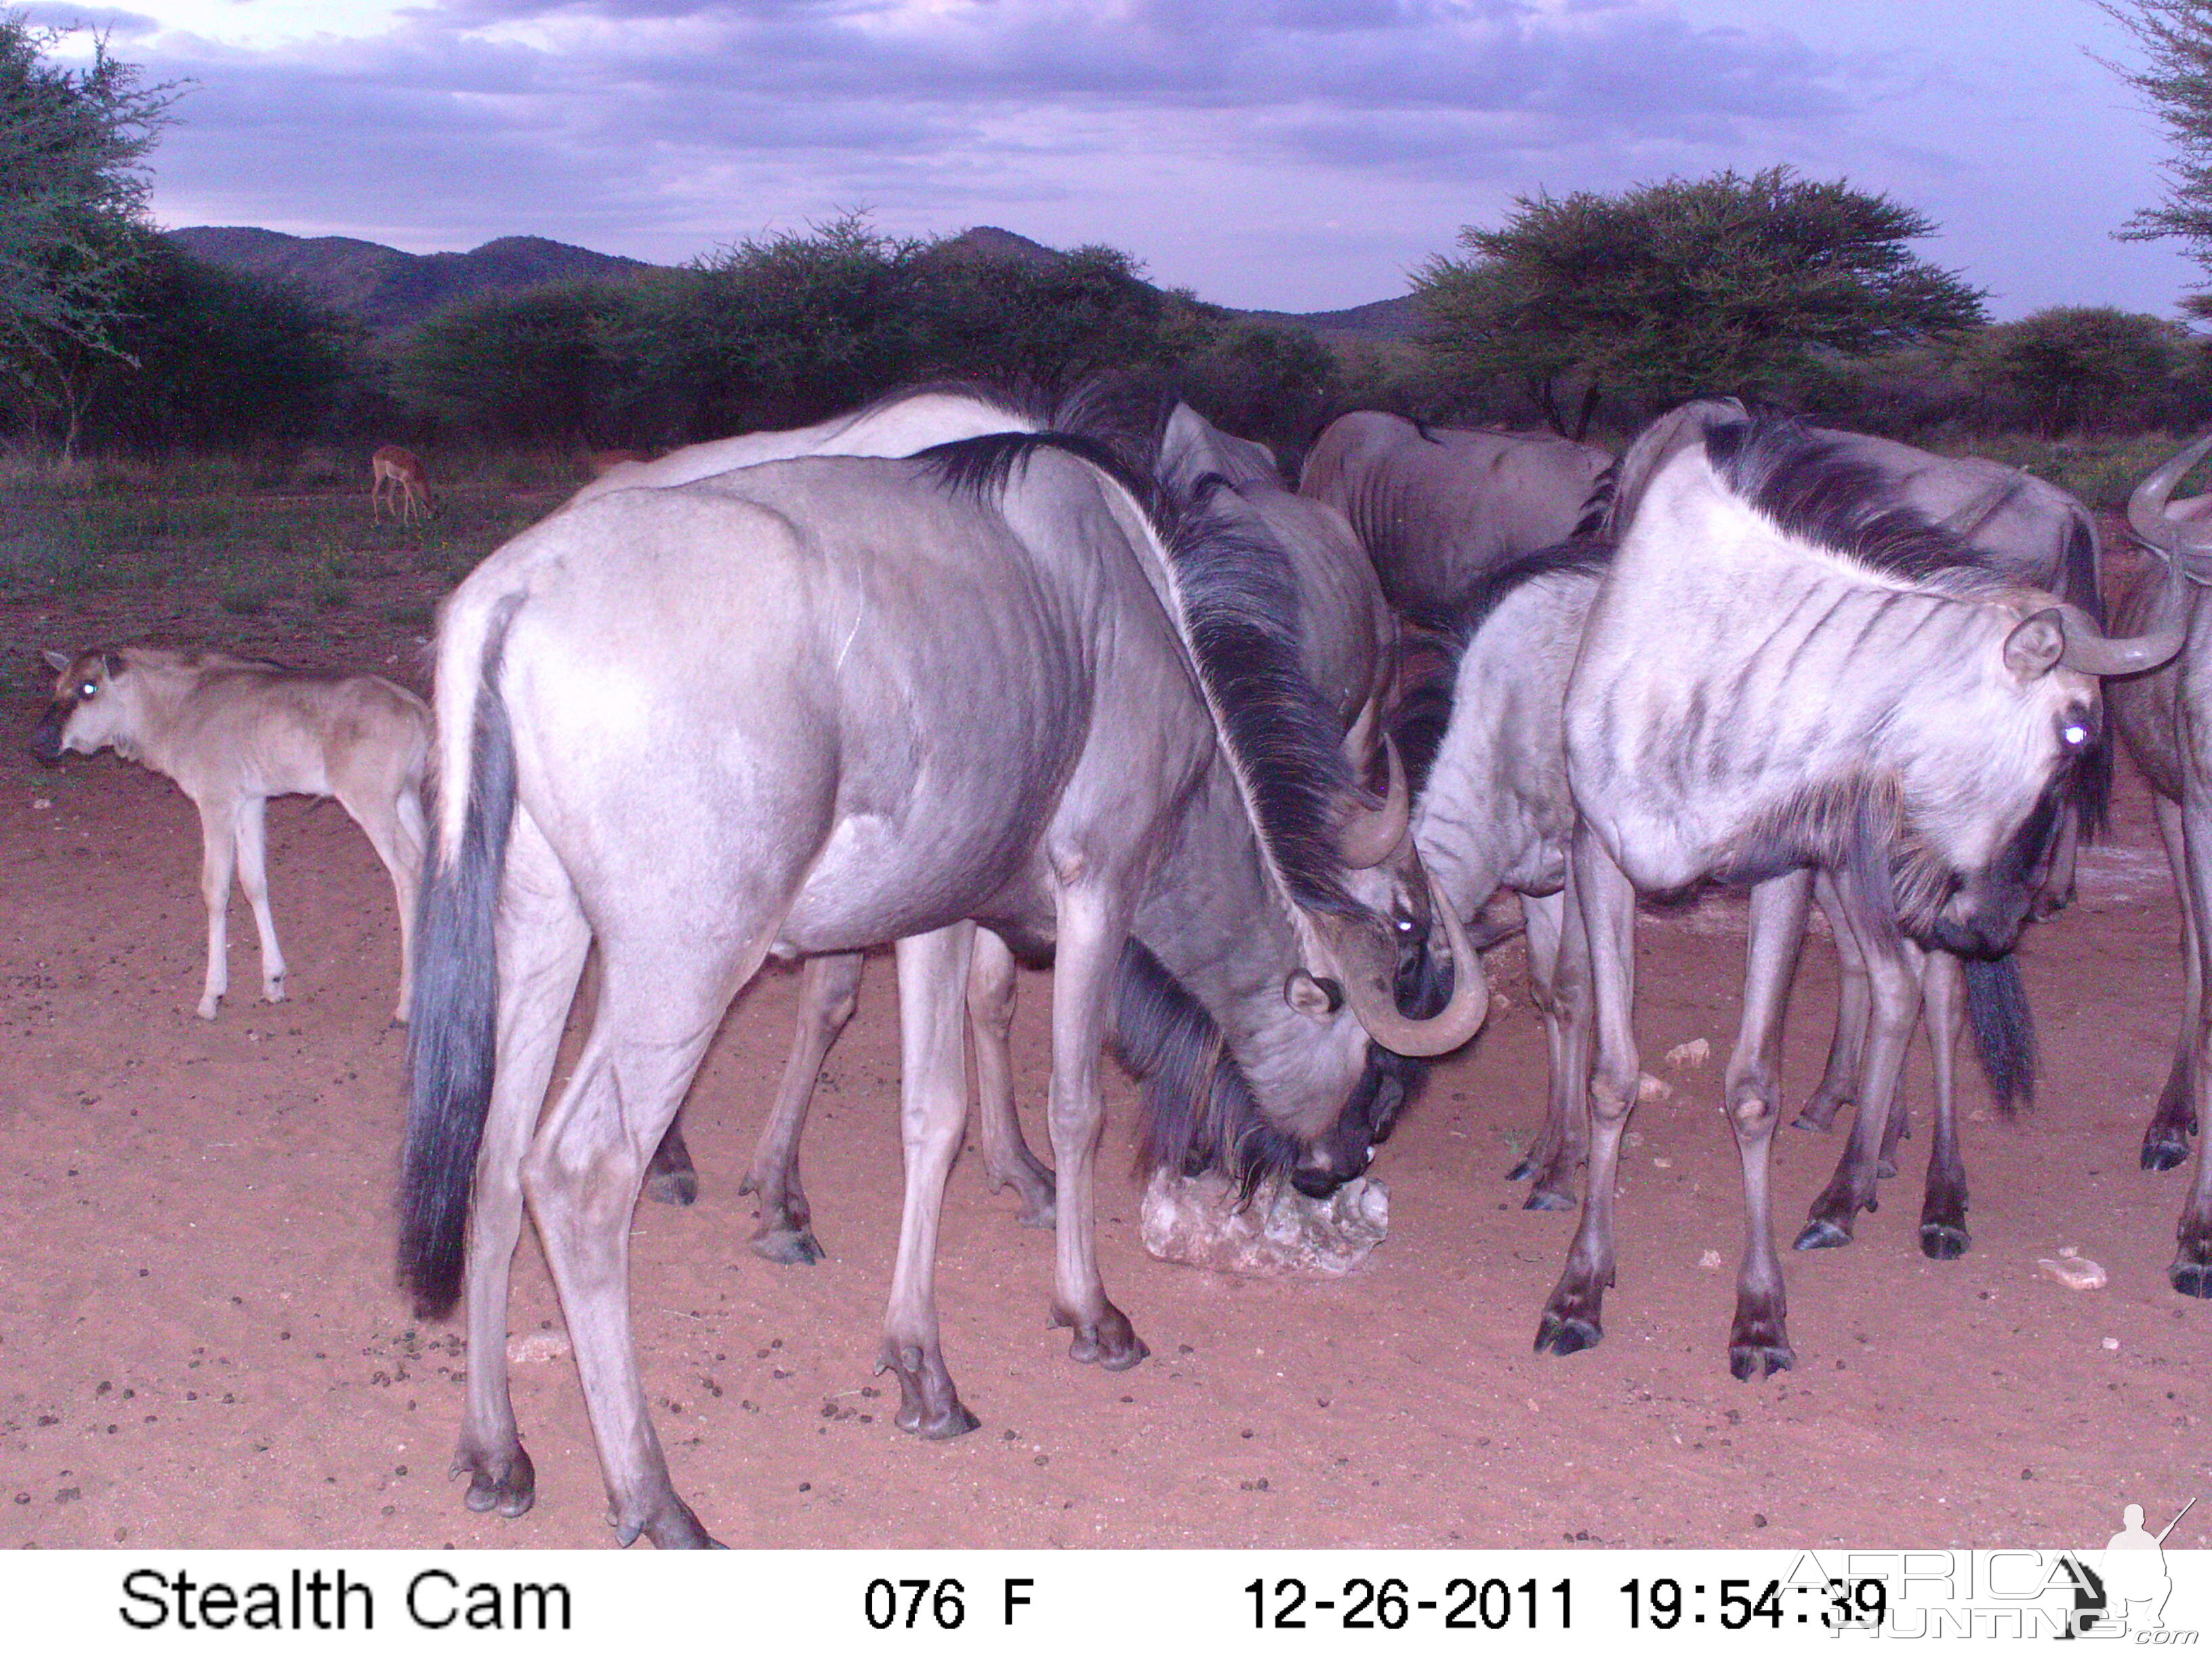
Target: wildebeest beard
[(1901, 882)]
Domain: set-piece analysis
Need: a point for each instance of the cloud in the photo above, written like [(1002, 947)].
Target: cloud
[(558, 97)]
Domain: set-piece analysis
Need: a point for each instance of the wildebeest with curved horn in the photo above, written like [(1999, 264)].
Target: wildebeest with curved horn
[(1998, 520), (1438, 508), (925, 691), (1343, 628), (2165, 721), (1784, 671)]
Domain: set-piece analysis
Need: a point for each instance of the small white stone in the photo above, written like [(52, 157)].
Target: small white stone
[(537, 1347), (1710, 1259), (1662, 1162), (1696, 1052), (2111, 1345), (41, 804), (2076, 1273), (1649, 1087)]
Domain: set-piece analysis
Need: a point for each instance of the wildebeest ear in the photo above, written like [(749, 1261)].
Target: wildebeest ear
[(56, 660), (1317, 999), (114, 664), (2032, 649)]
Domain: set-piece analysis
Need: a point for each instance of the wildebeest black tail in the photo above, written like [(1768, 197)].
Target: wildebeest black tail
[(453, 1027), (2004, 1030)]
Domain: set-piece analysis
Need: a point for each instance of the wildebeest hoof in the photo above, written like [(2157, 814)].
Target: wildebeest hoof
[(671, 1526), (1943, 1241), (1750, 1359), (794, 1246), (1524, 1170), (929, 1406), (1818, 1115), (507, 1484), (207, 1006), (1566, 1333), (674, 1187), (2165, 1150), (273, 991), (1110, 1340), (2191, 1272), (1885, 1169), (1548, 1198), (1822, 1234)]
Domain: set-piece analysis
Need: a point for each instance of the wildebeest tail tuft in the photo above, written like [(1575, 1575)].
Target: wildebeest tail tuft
[(453, 1028), (2004, 1030)]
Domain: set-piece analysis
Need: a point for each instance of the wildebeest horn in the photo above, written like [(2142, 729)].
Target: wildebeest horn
[(1371, 834), (1365, 956), (2091, 651), (2146, 514)]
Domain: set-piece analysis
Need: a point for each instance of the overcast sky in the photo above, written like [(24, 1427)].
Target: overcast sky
[(1298, 155)]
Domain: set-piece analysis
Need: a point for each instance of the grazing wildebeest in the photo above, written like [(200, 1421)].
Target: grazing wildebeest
[(401, 470), (2165, 722), (1436, 508), (231, 731), (813, 705), (1343, 628), (1786, 671)]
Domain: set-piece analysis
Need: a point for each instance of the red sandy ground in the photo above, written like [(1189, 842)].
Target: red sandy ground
[(202, 1344)]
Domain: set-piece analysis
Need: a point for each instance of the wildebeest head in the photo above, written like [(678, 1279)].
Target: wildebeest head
[(92, 706)]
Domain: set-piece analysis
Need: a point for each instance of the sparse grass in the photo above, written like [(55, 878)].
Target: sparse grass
[(254, 531), (2102, 471)]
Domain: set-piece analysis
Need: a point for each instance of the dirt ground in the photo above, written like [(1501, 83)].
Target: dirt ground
[(202, 1345)]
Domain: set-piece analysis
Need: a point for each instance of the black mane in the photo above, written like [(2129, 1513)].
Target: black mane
[(1816, 492)]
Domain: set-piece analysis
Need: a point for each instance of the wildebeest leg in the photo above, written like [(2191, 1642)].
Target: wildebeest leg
[(218, 854), (1895, 991), (395, 829), (933, 976), (542, 941), (1943, 1236), (1572, 1315), (1558, 982), (829, 992), (1758, 1344), (254, 877), (663, 990), (2191, 1272), (1847, 1052), (1093, 924), (1007, 1160), (2165, 1137)]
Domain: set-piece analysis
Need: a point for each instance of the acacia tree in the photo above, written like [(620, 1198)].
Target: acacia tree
[(1729, 284), (2176, 37), (72, 208)]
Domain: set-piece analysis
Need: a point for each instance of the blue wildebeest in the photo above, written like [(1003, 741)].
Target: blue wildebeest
[(985, 683), (1343, 628), (2018, 527), (2165, 721), (1782, 672), (231, 731), (1437, 507)]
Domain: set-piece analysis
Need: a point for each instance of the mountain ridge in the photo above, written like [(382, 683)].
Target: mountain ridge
[(391, 289)]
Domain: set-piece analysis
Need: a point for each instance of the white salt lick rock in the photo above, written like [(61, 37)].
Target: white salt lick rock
[(1199, 1223)]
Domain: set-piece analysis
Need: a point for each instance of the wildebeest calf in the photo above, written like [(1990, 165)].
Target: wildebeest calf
[(231, 732)]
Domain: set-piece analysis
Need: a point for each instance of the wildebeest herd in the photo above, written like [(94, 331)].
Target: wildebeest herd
[(988, 682)]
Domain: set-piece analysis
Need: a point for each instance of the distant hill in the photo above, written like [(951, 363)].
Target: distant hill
[(389, 290)]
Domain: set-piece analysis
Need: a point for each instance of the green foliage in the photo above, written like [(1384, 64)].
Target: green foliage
[(1047, 324), (2176, 37), (529, 367), (211, 359), (1729, 284), (2081, 368), (72, 200), (1276, 386)]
